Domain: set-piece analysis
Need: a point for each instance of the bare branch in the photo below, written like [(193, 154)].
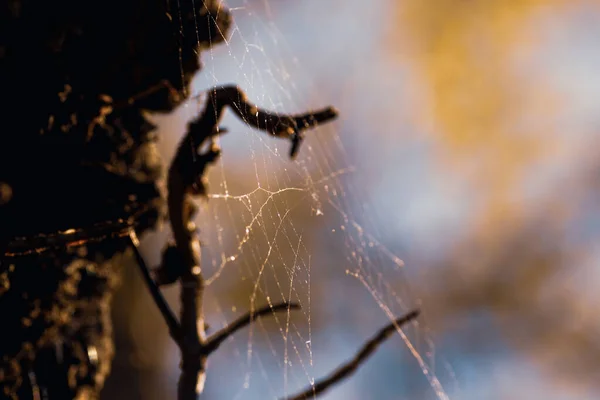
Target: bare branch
[(165, 310), (351, 366), (219, 337), (285, 126), (186, 180)]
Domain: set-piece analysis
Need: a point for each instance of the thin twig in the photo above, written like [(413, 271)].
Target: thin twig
[(161, 303), (219, 337), (351, 366)]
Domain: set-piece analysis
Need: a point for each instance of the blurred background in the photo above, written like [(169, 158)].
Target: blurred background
[(467, 146)]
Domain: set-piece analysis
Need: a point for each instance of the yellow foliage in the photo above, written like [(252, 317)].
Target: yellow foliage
[(487, 103)]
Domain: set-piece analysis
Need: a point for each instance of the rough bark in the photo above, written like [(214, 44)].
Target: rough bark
[(78, 164)]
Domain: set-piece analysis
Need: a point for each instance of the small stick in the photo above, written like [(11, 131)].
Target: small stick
[(161, 303), (219, 337), (351, 366)]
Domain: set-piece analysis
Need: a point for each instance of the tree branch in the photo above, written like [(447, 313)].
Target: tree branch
[(219, 337), (161, 303), (351, 366), (284, 126), (185, 180)]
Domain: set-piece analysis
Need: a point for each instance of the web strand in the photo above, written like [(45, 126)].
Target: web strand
[(263, 213)]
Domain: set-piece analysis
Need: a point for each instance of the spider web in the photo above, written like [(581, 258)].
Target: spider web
[(303, 231)]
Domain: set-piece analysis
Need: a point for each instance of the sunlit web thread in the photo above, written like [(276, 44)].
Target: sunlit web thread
[(359, 254), (211, 71), (287, 319), (180, 50), (225, 186), (319, 156), (337, 201), (270, 248), (427, 371), (434, 382), (234, 349), (215, 82), (271, 196), (372, 241), (196, 24), (256, 217), (292, 287), (252, 306), (291, 273), (272, 245)]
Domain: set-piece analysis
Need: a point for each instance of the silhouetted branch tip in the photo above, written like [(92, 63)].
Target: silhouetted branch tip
[(219, 337), (345, 370)]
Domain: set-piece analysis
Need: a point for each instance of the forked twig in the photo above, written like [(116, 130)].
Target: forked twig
[(351, 366), (197, 352), (186, 179)]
